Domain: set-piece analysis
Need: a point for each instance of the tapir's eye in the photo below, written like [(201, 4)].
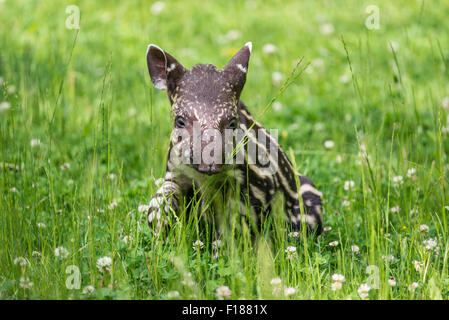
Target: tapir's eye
[(179, 122), (233, 124)]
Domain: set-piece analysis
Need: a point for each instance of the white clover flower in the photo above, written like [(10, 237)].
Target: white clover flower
[(430, 244), (338, 277), (445, 129), (327, 29), (25, 283), (157, 8), (277, 106), (173, 294), (411, 173), (269, 48), (333, 243), (35, 143), (345, 78), (424, 228), (104, 264), (223, 292), (391, 282), (339, 159), (289, 291), (277, 78), (70, 182), (318, 62), (363, 148), (13, 190), (132, 112), (329, 144), (294, 234), (231, 35), (198, 244), (363, 290), (36, 254), (349, 185), (336, 286), (65, 166), (389, 257), (188, 281), (112, 176), (395, 209), (128, 239), (327, 229), (10, 166), (88, 290), (41, 225), (355, 248), (112, 205), (418, 265), (397, 181), (216, 244), (276, 281), (319, 126), (346, 203), (413, 286), (445, 103), (61, 252), (291, 252), (413, 211), (143, 208), (21, 261), (4, 106)]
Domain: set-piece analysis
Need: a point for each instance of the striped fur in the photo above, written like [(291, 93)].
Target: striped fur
[(257, 187)]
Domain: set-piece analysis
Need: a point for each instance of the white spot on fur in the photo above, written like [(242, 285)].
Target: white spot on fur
[(242, 68), (160, 84), (171, 68)]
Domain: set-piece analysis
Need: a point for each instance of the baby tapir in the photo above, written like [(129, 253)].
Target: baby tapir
[(214, 138)]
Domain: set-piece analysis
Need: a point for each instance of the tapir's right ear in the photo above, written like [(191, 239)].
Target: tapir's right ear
[(165, 71)]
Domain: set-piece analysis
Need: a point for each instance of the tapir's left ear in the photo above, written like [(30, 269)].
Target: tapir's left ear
[(237, 67), (165, 71)]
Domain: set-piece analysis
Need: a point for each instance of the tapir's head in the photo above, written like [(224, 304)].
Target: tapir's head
[(203, 98)]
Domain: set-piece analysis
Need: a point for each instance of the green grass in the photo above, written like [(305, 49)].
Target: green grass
[(87, 96)]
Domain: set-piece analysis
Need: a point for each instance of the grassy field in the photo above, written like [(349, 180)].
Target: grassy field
[(84, 138)]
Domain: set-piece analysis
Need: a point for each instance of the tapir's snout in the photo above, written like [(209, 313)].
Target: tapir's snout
[(208, 168)]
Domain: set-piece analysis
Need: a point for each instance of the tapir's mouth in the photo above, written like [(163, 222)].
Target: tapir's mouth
[(208, 169)]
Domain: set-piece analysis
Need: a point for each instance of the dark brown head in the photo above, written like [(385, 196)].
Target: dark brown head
[(203, 97)]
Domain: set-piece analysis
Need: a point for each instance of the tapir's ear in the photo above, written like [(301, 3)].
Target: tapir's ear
[(237, 67), (164, 70)]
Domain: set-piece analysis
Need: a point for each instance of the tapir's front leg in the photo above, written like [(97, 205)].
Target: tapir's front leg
[(165, 202)]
